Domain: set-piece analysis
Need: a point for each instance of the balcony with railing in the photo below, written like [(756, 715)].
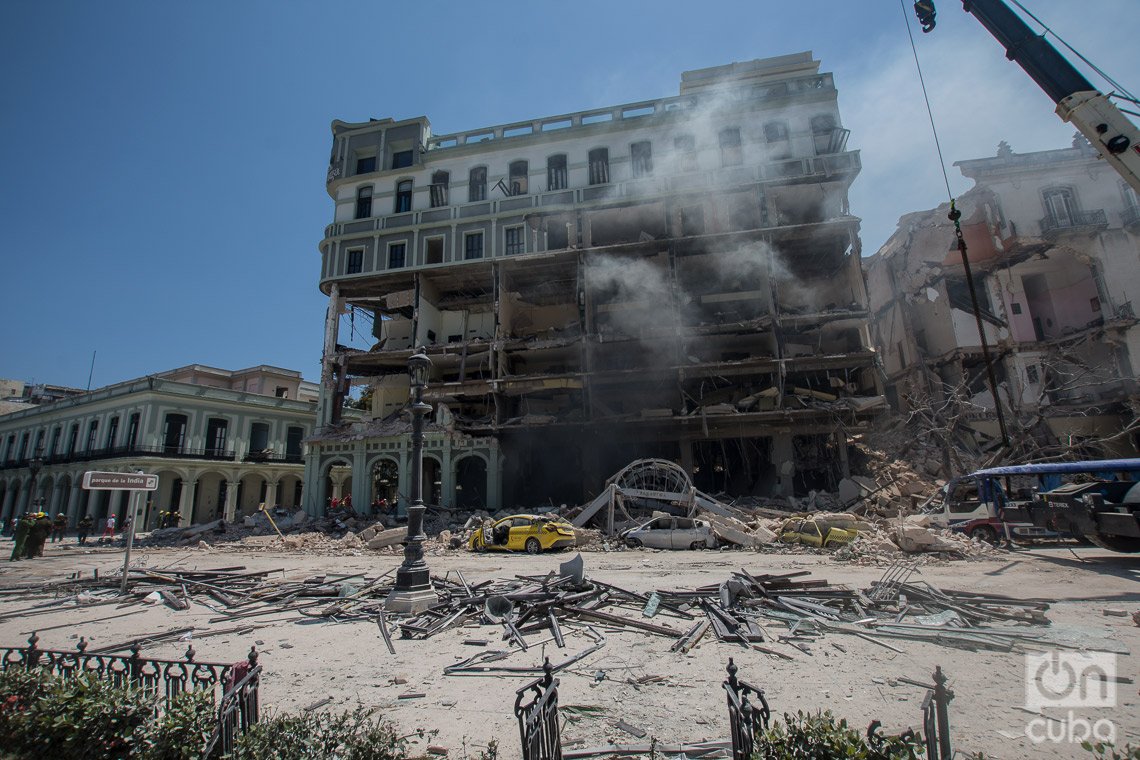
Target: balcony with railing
[(137, 451), (1076, 222)]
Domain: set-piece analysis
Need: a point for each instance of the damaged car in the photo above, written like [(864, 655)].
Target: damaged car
[(671, 533), (530, 533), (811, 532)]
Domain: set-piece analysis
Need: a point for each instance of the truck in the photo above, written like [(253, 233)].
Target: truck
[(1101, 503), (1104, 125)]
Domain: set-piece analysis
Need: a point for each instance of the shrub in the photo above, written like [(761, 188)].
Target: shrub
[(820, 736), (1106, 751), (183, 730), (352, 735)]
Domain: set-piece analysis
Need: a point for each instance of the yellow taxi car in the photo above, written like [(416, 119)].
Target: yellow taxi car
[(529, 533), (815, 533)]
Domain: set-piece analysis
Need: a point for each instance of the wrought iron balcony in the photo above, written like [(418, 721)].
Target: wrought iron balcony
[(1077, 222)]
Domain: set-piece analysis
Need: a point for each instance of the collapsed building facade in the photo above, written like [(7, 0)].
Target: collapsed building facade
[(1054, 243), (676, 278)]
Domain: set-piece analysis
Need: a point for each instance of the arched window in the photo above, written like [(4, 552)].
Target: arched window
[(403, 196), (364, 202), (599, 166), (519, 171), (556, 172), (477, 184), (439, 183)]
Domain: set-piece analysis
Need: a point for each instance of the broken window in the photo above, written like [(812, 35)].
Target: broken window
[(1060, 207), (401, 159), (433, 251), (775, 131), (822, 127), (730, 150), (642, 155), (258, 436), (397, 252), (556, 172), (473, 246), (293, 442), (513, 237), (686, 149), (366, 164), (364, 202), (599, 166), (557, 235), (477, 184), (519, 171), (354, 261), (403, 196), (692, 221), (439, 184)]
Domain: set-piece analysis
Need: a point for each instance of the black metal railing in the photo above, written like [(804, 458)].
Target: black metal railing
[(936, 718), (745, 719), (1077, 220), (239, 707), (539, 726), (118, 452), (234, 686)]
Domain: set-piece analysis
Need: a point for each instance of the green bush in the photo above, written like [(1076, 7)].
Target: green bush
[(182, 732), (820, 736), (1106, 751), (315, 736)]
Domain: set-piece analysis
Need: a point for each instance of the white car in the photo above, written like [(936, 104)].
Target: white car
[(671, 533)]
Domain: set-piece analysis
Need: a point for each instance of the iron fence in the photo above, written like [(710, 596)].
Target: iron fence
[(936, 718), (745, 719), (233, 687), (539, 726)]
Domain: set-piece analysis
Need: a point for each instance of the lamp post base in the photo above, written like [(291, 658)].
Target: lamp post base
[(411, 601)]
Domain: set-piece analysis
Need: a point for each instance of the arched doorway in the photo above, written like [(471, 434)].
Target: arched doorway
[(289, 491), (432, 482), (471, 482), (385, 480), (251, 493), (337, 480), (209, 498)]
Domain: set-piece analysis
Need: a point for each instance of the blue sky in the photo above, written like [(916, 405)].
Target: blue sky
[(163, 163)]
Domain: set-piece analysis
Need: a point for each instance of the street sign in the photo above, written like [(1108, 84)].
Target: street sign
[(119, 481)]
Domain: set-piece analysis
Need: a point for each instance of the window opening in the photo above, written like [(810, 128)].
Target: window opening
[(403, 196), (216, 430), (686, 148), (354, 264), (473, 246), (112, 432), (514, 240), (401, 159), (556, 172), (775, 131), (600, 166), (439, 184), (364, 202), (642, 155), (730, 150), (518, 178), (477, 184), (133, 431), (397, 253), (433, 251), (366, 164), (1060, 206)]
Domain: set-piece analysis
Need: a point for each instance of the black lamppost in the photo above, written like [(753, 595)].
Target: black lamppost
[(34, 466), (413, 592)]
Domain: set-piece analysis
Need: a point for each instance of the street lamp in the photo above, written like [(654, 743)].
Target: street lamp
[(34, 466), (413, 592)]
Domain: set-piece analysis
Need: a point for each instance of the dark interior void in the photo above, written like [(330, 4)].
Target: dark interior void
[(737, 466), (547, 467), (471, 483), (818, 466), (628, 225)]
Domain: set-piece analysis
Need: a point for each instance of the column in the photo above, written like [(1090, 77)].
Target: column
[(270, 494), (446, 477), (73, 500), (784, 460), (337, 487), (361, 483), (56, 500), (230, 510), (310, 490), (494, 479), (185, 502), (9, 502)]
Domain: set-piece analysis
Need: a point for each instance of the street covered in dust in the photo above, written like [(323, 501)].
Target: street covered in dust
[(630, 690)]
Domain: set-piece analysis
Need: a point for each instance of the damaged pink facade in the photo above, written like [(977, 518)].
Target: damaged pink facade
[(675, 278), (1053, 243)]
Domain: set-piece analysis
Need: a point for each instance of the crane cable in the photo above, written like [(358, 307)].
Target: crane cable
[(955, 216)]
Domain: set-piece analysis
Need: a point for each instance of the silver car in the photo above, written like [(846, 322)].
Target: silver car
[(671, 533)]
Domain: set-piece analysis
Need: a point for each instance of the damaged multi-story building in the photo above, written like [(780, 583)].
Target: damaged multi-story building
[(1053, 239), (675, 278)]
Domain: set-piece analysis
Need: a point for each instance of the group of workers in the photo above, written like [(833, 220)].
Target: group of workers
[(31, 531)]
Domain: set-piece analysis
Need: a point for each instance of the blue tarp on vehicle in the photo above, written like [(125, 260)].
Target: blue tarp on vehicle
[(1091, 467)]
